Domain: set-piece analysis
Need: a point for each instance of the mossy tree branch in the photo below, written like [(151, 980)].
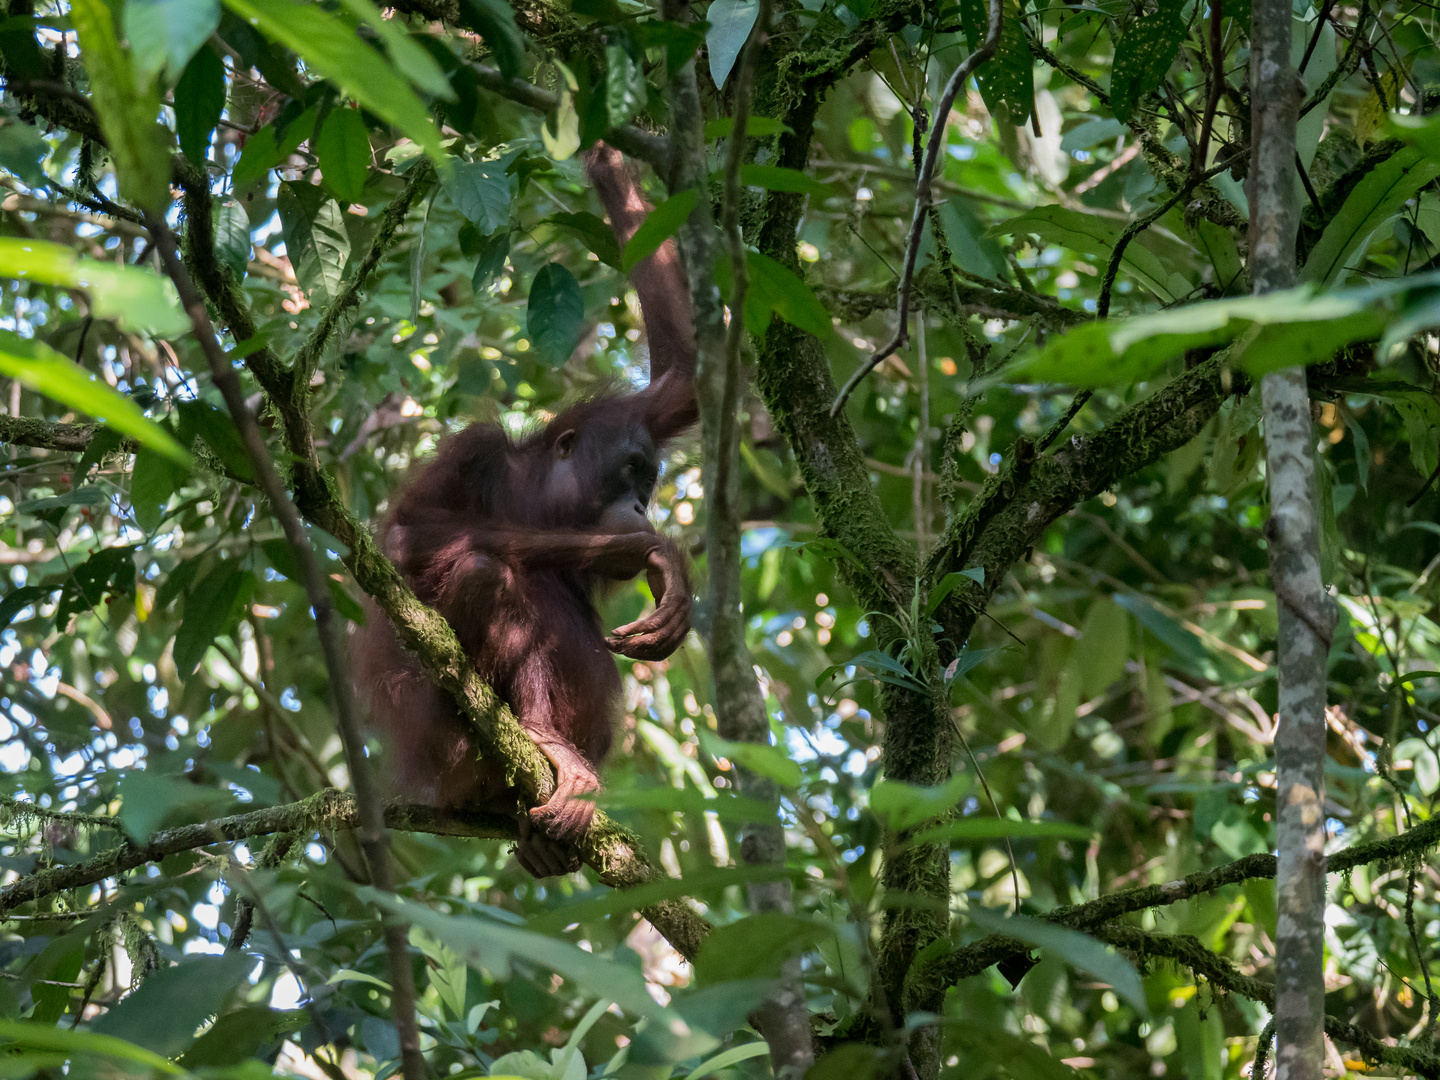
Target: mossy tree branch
[(324, 811)]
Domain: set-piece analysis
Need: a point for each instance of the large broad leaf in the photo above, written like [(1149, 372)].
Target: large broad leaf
[(778, 178), (315, 238), (494, 947), (774, 288), (625, 89), (1159, 264), (730, 24), (1007, 79), (127, 111), (164, 1012), (165, 34), (212, 608), (659, 225), (496, 23), (1372, 202), (903, 806), (20, 1034), (199, 101), (344, 151), (1143, 56), (481, 191), (1297, 326), (271, 145), (149, 799), (152, 482), (405, 52), (555, 314), (332, 49), (1081, 951), (760, 758), (137, 299), (46, 372), (756, 947)]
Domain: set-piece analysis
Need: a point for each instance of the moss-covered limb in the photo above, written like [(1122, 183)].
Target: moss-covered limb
[(937, 294), (386, 233), (325, 810), (630, 140), (974, 958), (1005, 520), (1188, 953), (46, 435), (15, 812)]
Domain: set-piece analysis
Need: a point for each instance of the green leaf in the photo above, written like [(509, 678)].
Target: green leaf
[(1156, 262), (164, 34), (148, 800), (212, 608), (730, 24), (496, 23), (46, 372), (1080, 951), (23, 152), (494, 947), (949, 583), (138, 145), (1296, 326), (756, 127), (315, 238), (163, 1013), (776, 178), (330, 47), (977, 828), (594, 233), (755, 947), (782, 291), (240, 1033), (625, 88), (232, 237), (556, 314), (903, 806), (152, 482), (721, 1061), (199, 101), (480, 190), (406, 52), (271, 145), (1372, 202), (135, 298), (344, 151), (659, 225), (760, 758), (493, 253), (213, 426), (1143, 56), (18, 1033), (1007, 79)]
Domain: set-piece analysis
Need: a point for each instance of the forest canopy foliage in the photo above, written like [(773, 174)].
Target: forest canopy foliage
[(1008, 606)]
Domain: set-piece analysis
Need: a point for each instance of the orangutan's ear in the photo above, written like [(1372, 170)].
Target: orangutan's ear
[(565, 443)]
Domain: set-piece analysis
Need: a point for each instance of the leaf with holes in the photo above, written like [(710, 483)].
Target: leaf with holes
[(1143, 56), (1007, 80)]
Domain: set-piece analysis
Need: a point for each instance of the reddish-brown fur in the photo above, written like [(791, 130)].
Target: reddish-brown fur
[(505, 538)]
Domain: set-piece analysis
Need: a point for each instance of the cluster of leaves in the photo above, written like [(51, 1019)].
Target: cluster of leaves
[(160, 664)]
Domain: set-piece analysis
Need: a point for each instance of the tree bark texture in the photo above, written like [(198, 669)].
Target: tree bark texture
[(784, 1019), (1293, 533)]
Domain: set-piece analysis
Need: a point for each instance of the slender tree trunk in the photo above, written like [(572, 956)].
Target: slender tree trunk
[(740, 709), (1293, 533)]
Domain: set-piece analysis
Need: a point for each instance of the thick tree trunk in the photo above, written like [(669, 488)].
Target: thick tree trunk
[(1293, 533), (784, 1019)]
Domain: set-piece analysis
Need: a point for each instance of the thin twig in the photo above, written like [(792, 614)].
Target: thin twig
[(1217, 82), (373, 840), (922, 202)]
